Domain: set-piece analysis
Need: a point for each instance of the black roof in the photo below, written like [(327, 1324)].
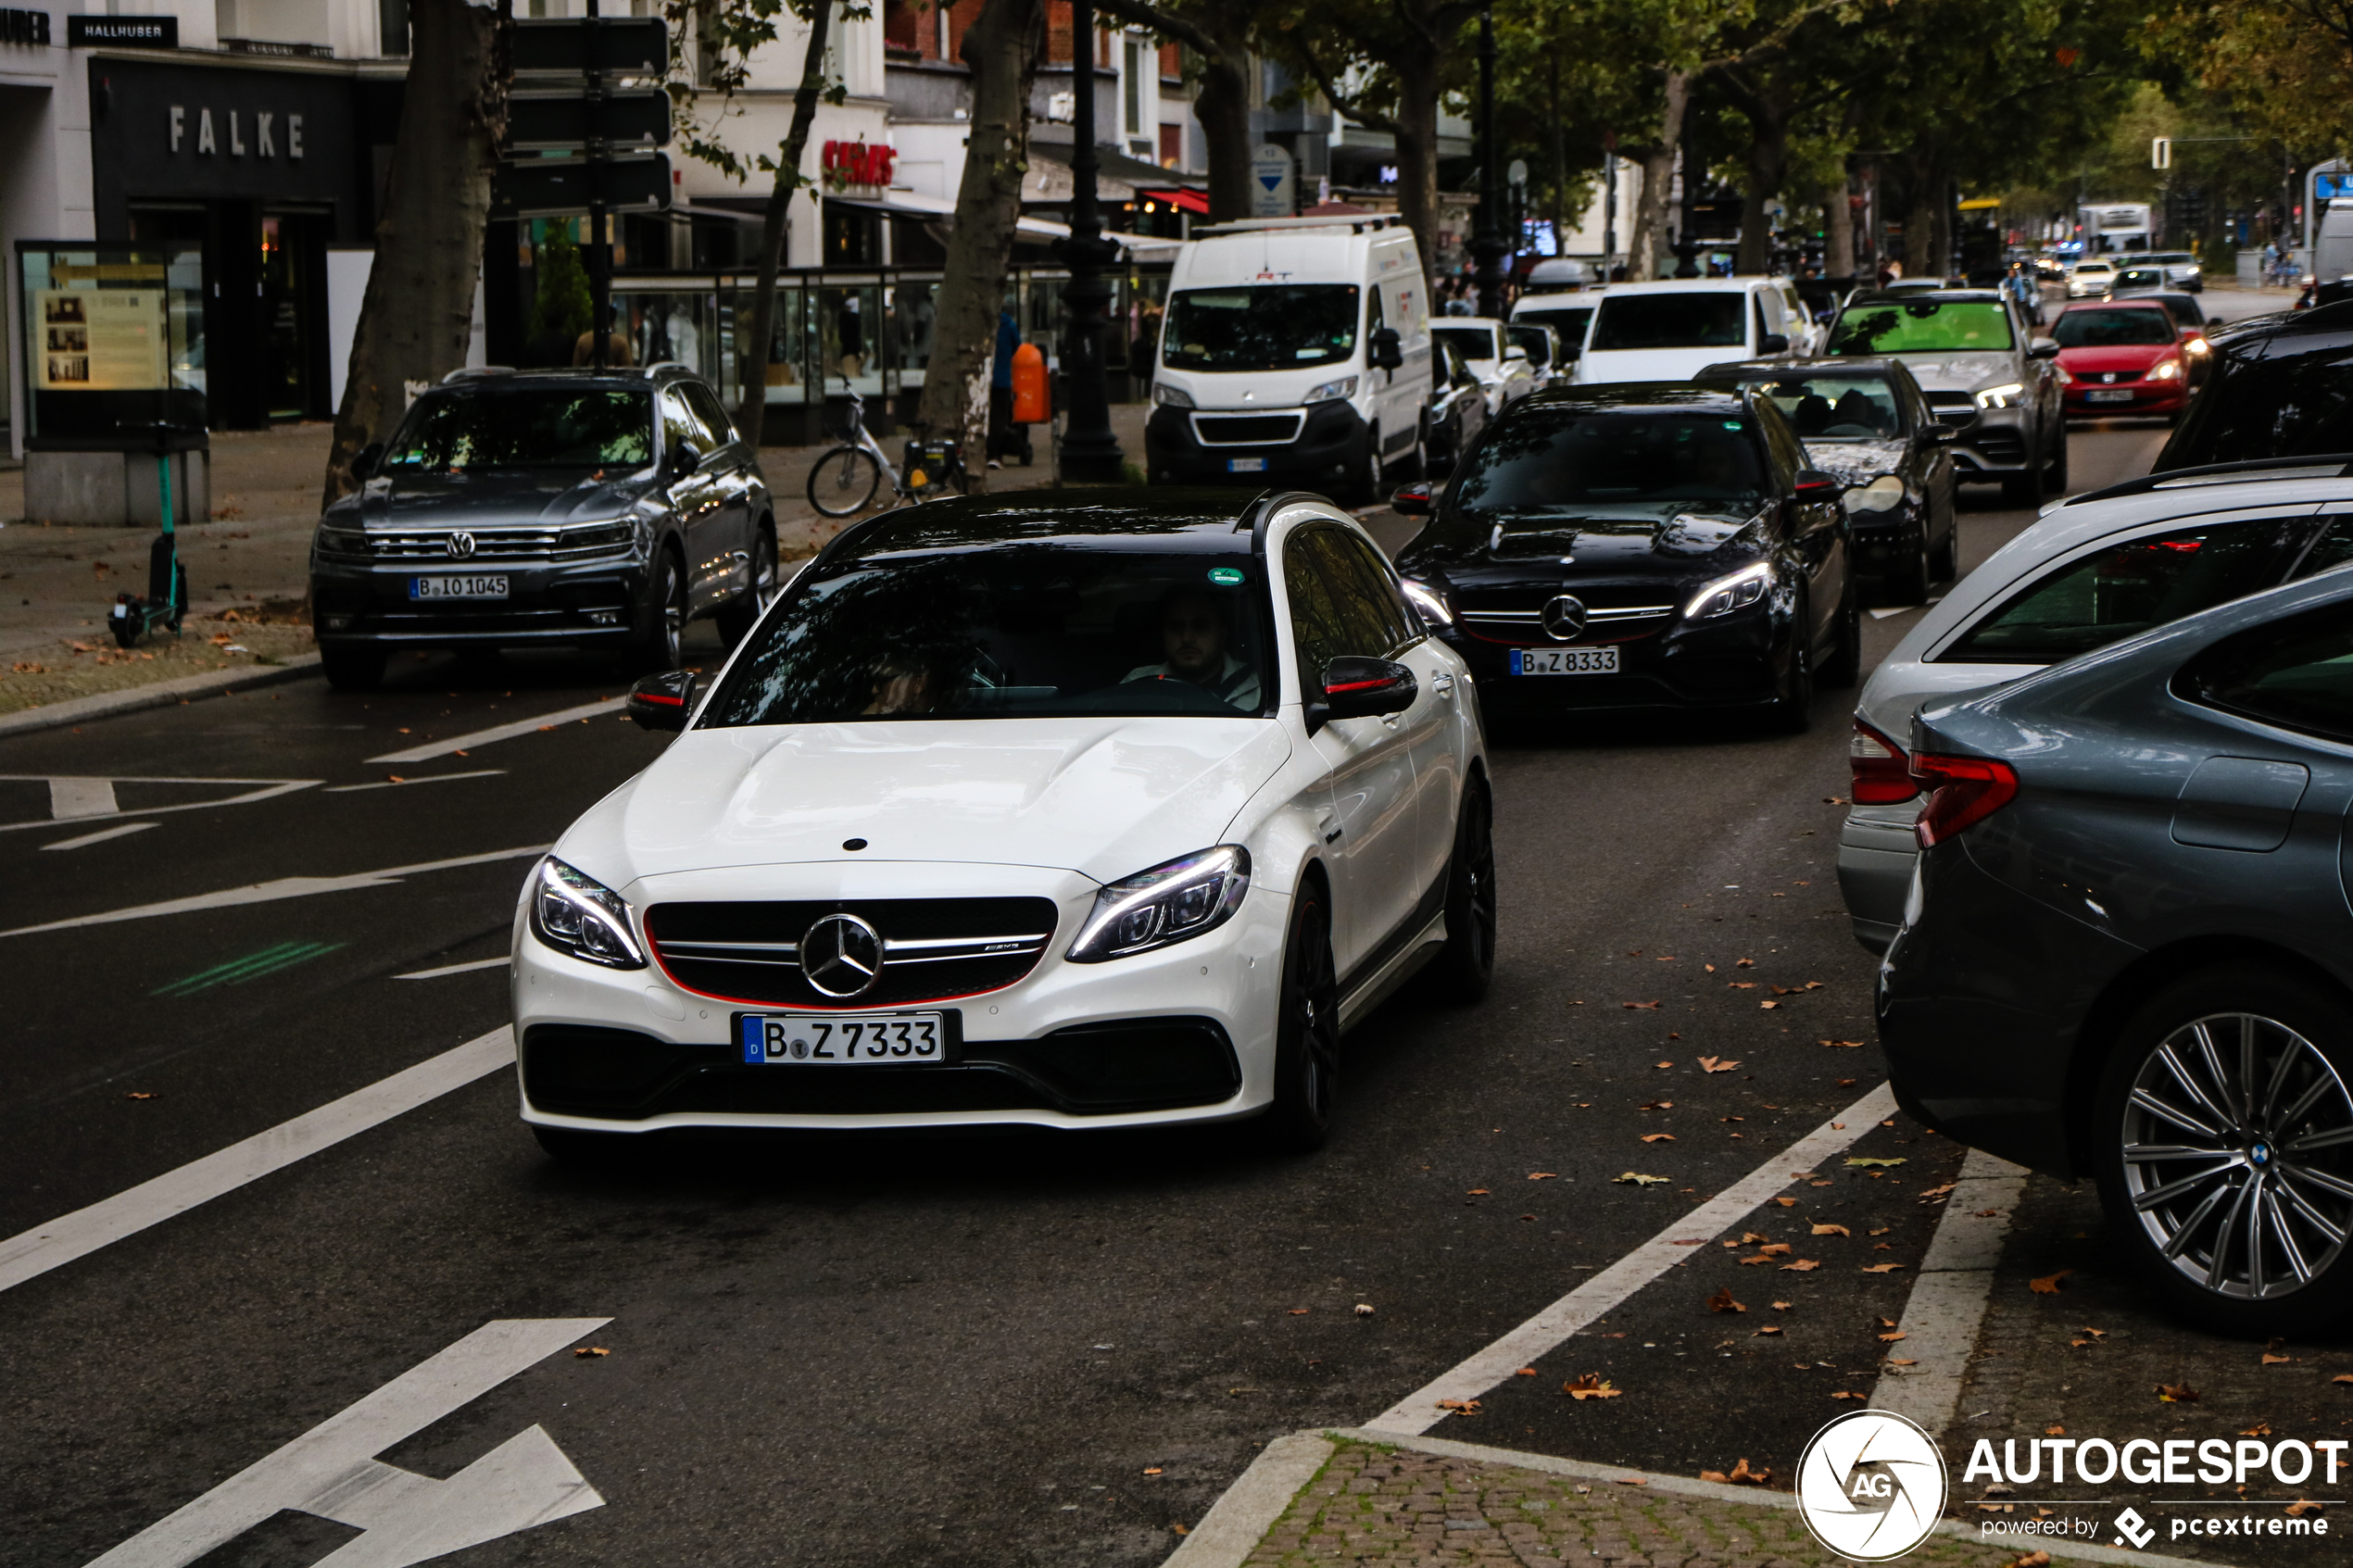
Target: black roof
[(1161, 518), (1633, 395), (1765, 369), (616, 376)]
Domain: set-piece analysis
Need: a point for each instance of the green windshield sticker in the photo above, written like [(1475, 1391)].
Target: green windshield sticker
[(1731, 424), (1226, 576)]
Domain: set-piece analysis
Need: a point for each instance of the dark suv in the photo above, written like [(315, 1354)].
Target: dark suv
[(592, 508)]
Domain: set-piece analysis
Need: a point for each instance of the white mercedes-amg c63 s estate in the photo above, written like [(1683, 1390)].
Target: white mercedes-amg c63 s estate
[(1096, 810)]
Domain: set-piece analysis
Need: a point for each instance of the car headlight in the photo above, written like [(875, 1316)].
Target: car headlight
[(342, 541), (2010, 394), (577, 915), (1169, 396), (2198, 346), (1728, 593), (2169, 371), (1883, 493), (1431, 602), (598, 536), (1344, 387), (1174, 901)]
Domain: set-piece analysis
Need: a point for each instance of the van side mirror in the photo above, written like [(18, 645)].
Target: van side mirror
[(663, 701), (364, 461), (1387, 349), (1357, 687), (1773, 343)]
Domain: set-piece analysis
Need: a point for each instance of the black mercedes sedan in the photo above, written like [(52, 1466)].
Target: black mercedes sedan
[(1649, 545), (1866, 421), (583, 508)]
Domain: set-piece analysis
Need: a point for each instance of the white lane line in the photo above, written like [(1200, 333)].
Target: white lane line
[(331, 1470), (1948, 1305), (100, 836), (432, 749), (274, 787), (1240, 1520), (401, 783), (285, 887), (33, 1253), (499, 963), (1899, 610), (1418, 1410), (81, 797)]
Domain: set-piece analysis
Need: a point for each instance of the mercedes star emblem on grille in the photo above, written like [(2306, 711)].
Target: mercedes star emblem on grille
[(841, 957), (1565, 617), (462, 545)]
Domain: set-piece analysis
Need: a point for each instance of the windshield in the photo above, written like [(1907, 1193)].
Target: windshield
[(1261, 329), (1009, 631), (2113, 329), (524, 427), (1834, 406), (1471, 343), (1569, 323), (1672, 320), (1923, 326), (1571, 460)]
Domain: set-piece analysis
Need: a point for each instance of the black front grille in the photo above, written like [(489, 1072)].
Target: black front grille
[(2000, 444), (1248, 428), (935, 947)]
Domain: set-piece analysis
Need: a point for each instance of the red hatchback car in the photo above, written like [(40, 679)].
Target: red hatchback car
[(2122, 357)]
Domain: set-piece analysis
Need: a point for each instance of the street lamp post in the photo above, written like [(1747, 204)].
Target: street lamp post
[(1487, 243), (1091, 451)]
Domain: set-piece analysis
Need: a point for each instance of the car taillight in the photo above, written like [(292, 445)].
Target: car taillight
[(1883, 773), (1962, 791)]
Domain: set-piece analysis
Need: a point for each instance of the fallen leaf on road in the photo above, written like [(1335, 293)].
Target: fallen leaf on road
[(1770, 1328), (1892, 1363), (2176, 1394), (1460, 1406), (592, 1350), (2032, 1559), (1892, 1338), (1880, 1268), (1653, 1006), (1844, 1045), (1744, 963), (1711, 968), (1774, 1248), (1661, 1064), (2343, 1377), (1786, 1202), (2271, 1360), (1593, 1386), (1866, 1162), (1801, 1266), (1694, 1243), (1635, 1178), (1732, 1118), (2260, 1429), (136, 1094), (543, 729), (1743, 1476), (1882, 1230), (1938, 1192), (1832, 1230), (1154, 1471), (1722, 1301), (1477, 1192), (2301, 1507), (1657, 1105), (1842, 1393), (1710, 1064), (1658, 1137), (1525, 1371), (1633, 1480), (1180, 1529), (2055, 1432), (2049, 1283), (1783, 1306), (1769, 1005), (1541, 1175), (1298, 1311), (1742, 984), (1364, 1310)]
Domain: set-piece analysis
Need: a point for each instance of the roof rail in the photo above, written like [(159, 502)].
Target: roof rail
[(668, 365), (2334, 464), (466, 372), (1263, 507), (1354, 222)]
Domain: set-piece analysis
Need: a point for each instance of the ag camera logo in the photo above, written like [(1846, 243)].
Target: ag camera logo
[(1871, 1485)]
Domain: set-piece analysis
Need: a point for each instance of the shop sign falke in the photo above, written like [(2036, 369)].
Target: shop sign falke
[(236, 133)]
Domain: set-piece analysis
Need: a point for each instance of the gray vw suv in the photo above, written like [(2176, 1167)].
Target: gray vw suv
[(591, 509), (1985, 373)]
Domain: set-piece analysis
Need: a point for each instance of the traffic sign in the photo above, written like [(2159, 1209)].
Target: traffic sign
[(2160, 152), (623, 46), (1273, 184), (556, 187), (558, 121)]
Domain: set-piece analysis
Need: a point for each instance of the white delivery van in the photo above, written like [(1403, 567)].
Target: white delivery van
[(1668, 330), (2332, 242), (1568, 315), (1294, 351)]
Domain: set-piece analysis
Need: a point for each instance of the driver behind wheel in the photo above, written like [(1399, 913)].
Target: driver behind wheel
[(1194, 637)]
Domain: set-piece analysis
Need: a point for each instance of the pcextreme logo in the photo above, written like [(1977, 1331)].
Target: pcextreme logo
[(1871, 1485)]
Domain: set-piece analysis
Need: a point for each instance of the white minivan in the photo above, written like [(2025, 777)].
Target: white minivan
[(1294, 351), (1671, 330)]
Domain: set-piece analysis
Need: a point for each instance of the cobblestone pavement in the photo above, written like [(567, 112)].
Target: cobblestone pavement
[(1399, 1509)]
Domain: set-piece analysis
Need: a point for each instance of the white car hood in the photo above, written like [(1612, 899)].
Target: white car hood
[(1106, 797), (1960, 373)]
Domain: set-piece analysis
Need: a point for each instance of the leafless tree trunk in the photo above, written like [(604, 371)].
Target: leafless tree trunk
[(1001, 47), (1647, 258), (752, 358), (1419, 81), (1838, 231), (418, 311)]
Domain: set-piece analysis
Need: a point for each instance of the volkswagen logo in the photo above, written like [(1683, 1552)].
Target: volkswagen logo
[(461, 546), (841, 957), (1565, 617)]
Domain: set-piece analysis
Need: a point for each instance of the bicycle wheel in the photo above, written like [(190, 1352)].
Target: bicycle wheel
[(844, 481)]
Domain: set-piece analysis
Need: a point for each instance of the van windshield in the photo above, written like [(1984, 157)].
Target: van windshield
[(1713, 320), (1281, 326)]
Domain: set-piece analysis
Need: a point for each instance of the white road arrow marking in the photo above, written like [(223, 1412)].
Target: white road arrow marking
[(285, 887), (73, 797), (456, 744), (82, 797), (331, 1471)]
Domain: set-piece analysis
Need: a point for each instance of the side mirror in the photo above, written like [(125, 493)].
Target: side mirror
[(663, 701), (1813, 484), (1356, 687), (1773, 343), (1516, 352), (1412, 500), (2043, 348), (684, 460), (1387, 349), (364, 461)]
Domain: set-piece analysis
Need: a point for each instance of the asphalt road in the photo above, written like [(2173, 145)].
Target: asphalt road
[(1037, 1348)]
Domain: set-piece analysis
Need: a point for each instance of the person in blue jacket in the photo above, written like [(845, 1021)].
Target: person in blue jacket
[(1005, 437)]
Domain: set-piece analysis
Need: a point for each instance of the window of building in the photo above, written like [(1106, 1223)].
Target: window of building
[(1132, 81)]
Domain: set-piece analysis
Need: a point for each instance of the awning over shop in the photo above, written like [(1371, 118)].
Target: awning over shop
[(1181, 196)]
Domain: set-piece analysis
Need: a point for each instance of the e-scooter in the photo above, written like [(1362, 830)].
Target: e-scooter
[(167, 600)]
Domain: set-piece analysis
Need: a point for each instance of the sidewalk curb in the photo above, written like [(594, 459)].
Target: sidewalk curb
[(1241, 1519), (162, 694)]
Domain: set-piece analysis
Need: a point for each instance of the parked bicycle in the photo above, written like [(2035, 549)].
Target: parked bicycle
[(846, 477)]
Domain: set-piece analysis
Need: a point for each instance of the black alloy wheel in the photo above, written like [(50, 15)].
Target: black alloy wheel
[(1844, 665), (2055, 474), (352, 669), (2024, 488), (1464, 968), (2223, 1135), (1365, 489), (662, 622), (742, 613), (1791, 708), (1907, 583), (1306, 1035)]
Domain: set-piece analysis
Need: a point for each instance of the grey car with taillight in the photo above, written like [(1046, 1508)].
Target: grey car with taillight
[(2127, 951), (2092, 571)]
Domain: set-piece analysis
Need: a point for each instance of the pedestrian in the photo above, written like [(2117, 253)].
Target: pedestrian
[(1001, 389)]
